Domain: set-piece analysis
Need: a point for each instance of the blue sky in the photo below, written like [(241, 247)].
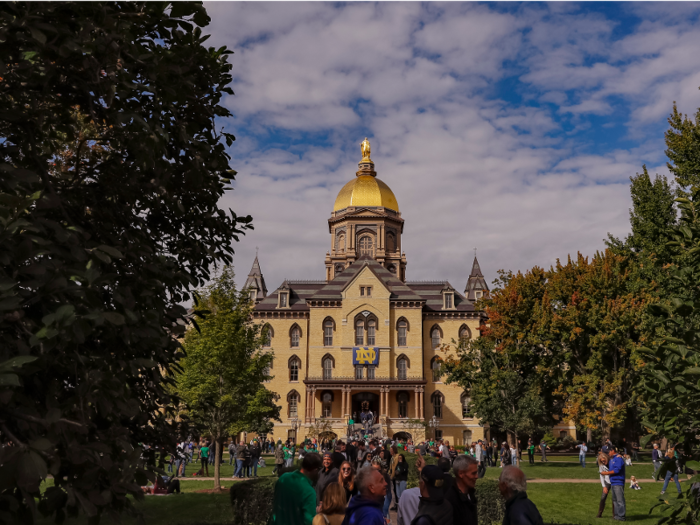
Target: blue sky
[(511, 127)]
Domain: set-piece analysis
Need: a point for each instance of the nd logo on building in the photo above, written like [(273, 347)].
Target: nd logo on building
[(365, 355)]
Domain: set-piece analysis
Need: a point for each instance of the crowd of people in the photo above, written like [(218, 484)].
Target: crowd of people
[(361, 481)]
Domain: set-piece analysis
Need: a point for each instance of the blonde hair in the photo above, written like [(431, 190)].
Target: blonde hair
[(669, 452), (350, 484), (333, 499), (602, 458)]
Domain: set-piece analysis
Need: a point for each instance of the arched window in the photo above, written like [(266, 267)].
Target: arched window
[(339, 268), (401, 367), (267, 334), (328, 332), (359, 332), (293, 403), (403, 330), (295, 336), (294, 366), (466, 406), (402, 398), (327, 404), (392, 268), (465, 332), (467, 436), (390, 243), (371, 329), (366, 245), (436, 366), (436, 399), (328, 364), (435, 336)]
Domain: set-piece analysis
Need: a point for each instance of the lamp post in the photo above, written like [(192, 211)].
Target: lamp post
[(434, 423), (295, 424)]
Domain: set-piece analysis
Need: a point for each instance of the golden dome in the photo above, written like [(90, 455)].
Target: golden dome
[(366, 190)]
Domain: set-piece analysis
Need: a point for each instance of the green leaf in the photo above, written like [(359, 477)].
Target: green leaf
[(110, 251), (115, 318), (16, 362), (7, 380), (41, 444)]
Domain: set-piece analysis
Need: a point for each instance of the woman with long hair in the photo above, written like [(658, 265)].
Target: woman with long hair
[(332, 509), (674, 467), (400, 476), (605, 481), (346, 479)]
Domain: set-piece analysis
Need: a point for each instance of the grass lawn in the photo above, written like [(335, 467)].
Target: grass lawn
[(570, 470), (578, 503)]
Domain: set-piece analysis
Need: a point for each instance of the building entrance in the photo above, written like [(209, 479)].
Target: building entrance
[(358, 399)]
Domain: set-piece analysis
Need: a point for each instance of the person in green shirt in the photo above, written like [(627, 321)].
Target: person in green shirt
[(531, 452), (288, 456), (294, 500), (204, 453)]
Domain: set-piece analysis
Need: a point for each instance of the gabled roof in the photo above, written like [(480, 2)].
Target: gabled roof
[(256, 281), (476, 282), (299, 292), (431, 292), (333, 290)]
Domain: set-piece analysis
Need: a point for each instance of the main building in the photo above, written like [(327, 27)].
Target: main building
[(365, 333)]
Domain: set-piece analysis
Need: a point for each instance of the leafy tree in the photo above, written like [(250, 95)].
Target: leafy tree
[(597, 321), (111, 171), (683, 151), (670, 379), (223, 375), (501, 394)]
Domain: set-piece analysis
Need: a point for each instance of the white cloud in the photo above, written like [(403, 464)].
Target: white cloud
[(470, 165)]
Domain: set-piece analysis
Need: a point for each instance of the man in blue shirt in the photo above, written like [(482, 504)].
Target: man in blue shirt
[(617, 480)]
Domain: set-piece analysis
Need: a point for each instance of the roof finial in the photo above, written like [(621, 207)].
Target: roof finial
[(474, 253), (365, 148), (256, 252)]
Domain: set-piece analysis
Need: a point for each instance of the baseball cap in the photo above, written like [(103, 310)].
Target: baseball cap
[(605, 449), (434, 480)]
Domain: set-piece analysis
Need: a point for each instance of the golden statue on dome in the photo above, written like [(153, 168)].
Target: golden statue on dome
[(364, 146)]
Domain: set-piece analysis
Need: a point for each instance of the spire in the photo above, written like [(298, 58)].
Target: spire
[(476, 269), (256, 281), (476, 284)]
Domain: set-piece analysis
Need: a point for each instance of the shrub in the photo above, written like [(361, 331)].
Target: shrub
[(549, 439), (490, 504), (251, 500)]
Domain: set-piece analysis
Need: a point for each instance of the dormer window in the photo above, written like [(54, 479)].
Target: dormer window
[(284, 300), (478, 294), (449, 300), (253, 295), (448, 297)]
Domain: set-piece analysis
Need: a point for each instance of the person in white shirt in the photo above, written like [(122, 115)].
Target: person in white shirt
[(582, 449), (513, 456), (604, 481)]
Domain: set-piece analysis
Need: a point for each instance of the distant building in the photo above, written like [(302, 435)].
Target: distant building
[(365, 333)]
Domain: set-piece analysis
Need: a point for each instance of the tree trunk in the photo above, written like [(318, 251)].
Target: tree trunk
[(217, 463), (589, 435)]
